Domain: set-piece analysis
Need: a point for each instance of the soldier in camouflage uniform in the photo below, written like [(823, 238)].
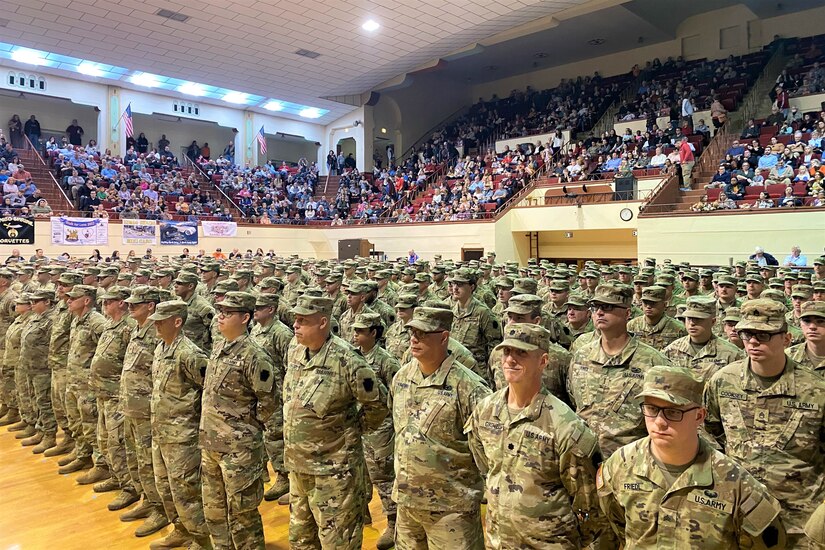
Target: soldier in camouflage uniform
[(397, 338), (768, 413), (9, 413), (339, 297), (815, 528), (199, 311), (18, 402), (81, 403), (473, 323), (672, 490), (238, 399), (178, 371), (730, 318), (293, 285), (725, 297), (438, 487), (386, 293), (34, 361), (135, 399), (328, 387), (811, 352), (536, 455), (218, 293), (702, 351), (356, 303), (558, 291), (440, 286), (577, 318), (274, 337), (655, 328), (386, 311), (58, 360), (606, 374), (210, 271), (379, 443), (456, 349)]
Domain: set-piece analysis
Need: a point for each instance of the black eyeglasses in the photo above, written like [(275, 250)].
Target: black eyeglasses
[(607, 308), (761, 337), (673, 415), (418, 334)]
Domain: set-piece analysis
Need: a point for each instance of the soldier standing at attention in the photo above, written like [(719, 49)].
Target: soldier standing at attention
[(34, 359), (199, 311), (330, 396), (768, 413), (438, 487), (654, 327), (107, 365), (9, 413), (397, 338), (672, 490), (274, 337), (14, 359), (238, 399), (536, 455), (178, 369), (474, 325), (379, 443), (356, 304), (606, 374), (81, 403), (135, 401), (811, 352)]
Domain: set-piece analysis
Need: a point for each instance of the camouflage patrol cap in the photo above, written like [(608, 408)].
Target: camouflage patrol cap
[(576, 299), (382, 274), (676, 385), (504, 282), (790, 276), (754, 278), (559, 285), (819, 286), (409, 271), (70, 278), (168, 309), (802, 291), (91, 271), (143, 272), (6, 273), (463, 275), (732, 315), (142, 294), (804, 276), (526, 337), (812, 309), (640, 279), (819, 261), (774, 294), (271, 282), (654, 293), (692, 275), (333, 278), (700, 307), (28, 269), (525, 285), (523, 304), (358, 286), (116, 293), (680, 312), (423, 278), (187, 278), (24, 298), (126, 276), (267, 299), (57, 269), (227, 285), (42, 294), (438, 269), (367, 320), (108, 272), (706, 273), (165, 272), (242, 301), (78, 291), (665, 279), (165, 295), (741, 263), (764, 315), (243, 274), (310, 305), (211, 266), (293, 269), (431, 319), (406, 301), (617, 295), (726, 280), (776, 282)]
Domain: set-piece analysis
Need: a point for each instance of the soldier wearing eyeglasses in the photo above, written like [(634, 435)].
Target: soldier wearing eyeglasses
[(768, 413), (671, 489)]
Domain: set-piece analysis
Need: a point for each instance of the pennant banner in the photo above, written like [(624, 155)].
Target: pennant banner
[(80, 231), (219, 229), (179, 233), (140, 232), (17, 230)]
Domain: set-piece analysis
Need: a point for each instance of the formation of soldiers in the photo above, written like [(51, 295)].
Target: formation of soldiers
[(643, 407)]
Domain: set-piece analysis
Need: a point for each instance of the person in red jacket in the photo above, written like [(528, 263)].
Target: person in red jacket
[(686, 161)]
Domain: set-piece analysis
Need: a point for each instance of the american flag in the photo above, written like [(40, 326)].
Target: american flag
[(127, 119), (262, 140)]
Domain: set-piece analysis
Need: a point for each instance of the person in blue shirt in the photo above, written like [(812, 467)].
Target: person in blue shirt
[(720, 179), (796, 258), (27, 189), (108, 172), (612, 164), (767, 160)]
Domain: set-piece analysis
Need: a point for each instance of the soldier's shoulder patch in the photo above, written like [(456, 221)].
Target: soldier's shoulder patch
[(599, 477), (495, 324)]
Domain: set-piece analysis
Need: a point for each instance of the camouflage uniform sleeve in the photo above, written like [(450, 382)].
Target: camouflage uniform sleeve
[(476, 448), (194, 364), (261, 376), (713, 421), (761, 524), (208, 314), (611, 508), (368, 389), (491, 329)]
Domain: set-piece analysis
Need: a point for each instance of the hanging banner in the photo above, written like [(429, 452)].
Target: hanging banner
[(140, 232), (80, 231), (219, 229), (17, 230), (179, 233)]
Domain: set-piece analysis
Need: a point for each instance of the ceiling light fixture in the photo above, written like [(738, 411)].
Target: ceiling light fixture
[(29, 57), (274, 105), (310, 112), (89, 69), (236, 97), (371, 25), (192, 88), (146, 80)]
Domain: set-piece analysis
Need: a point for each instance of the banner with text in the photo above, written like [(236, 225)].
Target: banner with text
[(140, 232), (17, 230), (179, 233), (80, 231), (219, 229)]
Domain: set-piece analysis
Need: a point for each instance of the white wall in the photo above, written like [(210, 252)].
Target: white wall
[(290, 150), (54, 114), (181, 133)]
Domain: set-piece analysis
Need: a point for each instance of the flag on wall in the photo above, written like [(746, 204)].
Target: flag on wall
[(127, 121), (262, 140)]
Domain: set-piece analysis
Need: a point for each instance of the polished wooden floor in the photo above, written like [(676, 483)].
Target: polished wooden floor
[(40, 509)]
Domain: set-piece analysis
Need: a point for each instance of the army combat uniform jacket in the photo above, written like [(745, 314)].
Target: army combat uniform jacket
[(136, 378), (715, 354), (658, 336), (178, 371)]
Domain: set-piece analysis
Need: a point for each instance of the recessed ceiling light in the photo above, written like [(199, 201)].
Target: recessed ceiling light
[(144, 79), (30, 57), (235, 97), (274, 105), (192, 88), (370, 25), (89, 69), (310, 112)]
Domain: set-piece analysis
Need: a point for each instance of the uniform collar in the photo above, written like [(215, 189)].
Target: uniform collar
[(698, 474), (785, 385), (530, 413), (438, 378), (619, 360)]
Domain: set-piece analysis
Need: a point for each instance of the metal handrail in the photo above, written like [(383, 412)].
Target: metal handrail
[(37, 155), (207, 179), (762, 85)]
